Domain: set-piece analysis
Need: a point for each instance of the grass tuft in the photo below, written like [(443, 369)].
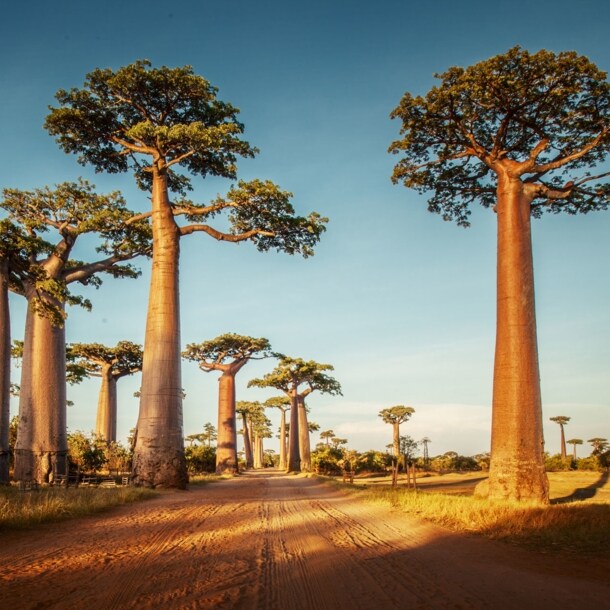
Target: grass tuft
[(20, 510)]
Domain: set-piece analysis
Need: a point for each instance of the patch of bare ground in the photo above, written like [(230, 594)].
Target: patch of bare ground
[(270, 541)]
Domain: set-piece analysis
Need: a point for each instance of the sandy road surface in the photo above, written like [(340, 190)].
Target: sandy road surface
[(275, 542)]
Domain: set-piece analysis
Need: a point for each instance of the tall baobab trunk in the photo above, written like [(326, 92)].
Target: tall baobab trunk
[(247, 443), (304, 448), (396, 440), (158, 459), (105, 424), (5, 376), (258, 462), (517, 452), (41, 448), (294, 457), (563, 443), (226, 444), (282, 462)]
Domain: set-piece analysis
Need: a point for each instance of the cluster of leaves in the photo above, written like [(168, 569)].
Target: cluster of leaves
[(548, 112)]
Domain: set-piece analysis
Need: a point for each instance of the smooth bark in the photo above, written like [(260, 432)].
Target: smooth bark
[(226, 446), (283, 461), (105, 424), (41, 447), (294, 457), (247, 443), (258, 442), (158, 459), (5, 376), (517, 444), (304, 447)]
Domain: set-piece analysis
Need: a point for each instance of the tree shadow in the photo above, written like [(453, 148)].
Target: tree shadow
[(584, 493)]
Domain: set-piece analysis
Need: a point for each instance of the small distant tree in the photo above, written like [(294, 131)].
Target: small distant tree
[(110, 364), (574, 442), (247, 409), (395, 416), (337, 442), (283, 404), (408, 447), (289, 376), (210, 433), (599, 445), (326, 435), (523, 133), (561, 420), (228, 354)]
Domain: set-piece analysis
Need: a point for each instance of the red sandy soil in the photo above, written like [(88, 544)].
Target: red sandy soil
[(272, 541)]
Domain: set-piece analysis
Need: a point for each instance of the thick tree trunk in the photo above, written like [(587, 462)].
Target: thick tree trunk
[(294, 457), (283, 462), (563, 444), (5, 376), (41, 447), (247, 443), (396, 440), (105, 424), (158, 459), (517, 451), (256, 452), (226, 446), (304, 447)]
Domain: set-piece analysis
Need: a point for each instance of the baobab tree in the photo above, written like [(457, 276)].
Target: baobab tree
[(110, 364), (16, 249), (326, 435), (562, 420), (289, 376), (153, 121), (519, 133), (425, 442), (599, 445), (68, 211), (283, 404), (228, 354), (395, 416), (574, 442), (246, 409)]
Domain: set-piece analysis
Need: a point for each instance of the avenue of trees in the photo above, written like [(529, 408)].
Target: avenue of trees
[(153, 122), (520, 133)]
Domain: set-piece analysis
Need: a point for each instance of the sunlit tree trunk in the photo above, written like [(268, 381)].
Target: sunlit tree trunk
[(247, 443), (304, 448), (396, 440), (563, 443), (226, 446), (258, 463), (294, 457), (282, 462), (105, 425), (517, 452), (41, 447), (5, 376), (158, 459)]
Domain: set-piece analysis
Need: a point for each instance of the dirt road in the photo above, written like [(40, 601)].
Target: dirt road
[(270, 541)]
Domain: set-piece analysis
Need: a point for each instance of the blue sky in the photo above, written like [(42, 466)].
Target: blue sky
[(400, 302)]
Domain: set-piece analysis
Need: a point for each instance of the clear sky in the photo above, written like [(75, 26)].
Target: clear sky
[(400, 302)]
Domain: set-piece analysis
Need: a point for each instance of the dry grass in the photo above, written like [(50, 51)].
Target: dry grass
[(20, 510), (578, 520)]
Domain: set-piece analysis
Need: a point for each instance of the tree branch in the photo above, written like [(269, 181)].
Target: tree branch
[(220, 236)]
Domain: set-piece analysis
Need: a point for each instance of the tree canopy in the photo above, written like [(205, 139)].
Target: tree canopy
[(123, 359), (151, 120), (226, 350), (542, 117), (290, 373)]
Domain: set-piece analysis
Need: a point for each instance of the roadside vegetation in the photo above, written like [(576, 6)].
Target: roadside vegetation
[(25, 509)]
